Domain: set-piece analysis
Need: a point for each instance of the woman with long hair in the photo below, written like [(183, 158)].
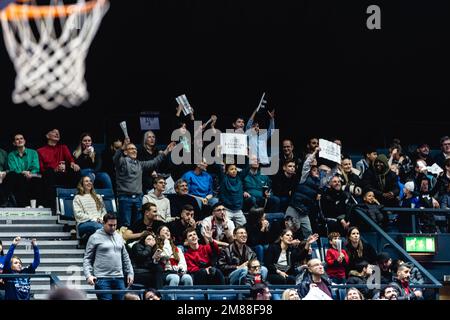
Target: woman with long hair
[(172, 259), (283, 258), (260, 231), (144, 256), (358, 250), (88, 208), (90, 163)]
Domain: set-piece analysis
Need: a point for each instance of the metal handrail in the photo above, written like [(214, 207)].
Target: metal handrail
[(416, 210), (391, 241), (54, 280)]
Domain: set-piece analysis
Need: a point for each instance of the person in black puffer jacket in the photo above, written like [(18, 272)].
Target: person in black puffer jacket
[(148, 271)]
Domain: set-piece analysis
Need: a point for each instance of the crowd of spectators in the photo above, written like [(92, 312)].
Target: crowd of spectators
[(181, 224)]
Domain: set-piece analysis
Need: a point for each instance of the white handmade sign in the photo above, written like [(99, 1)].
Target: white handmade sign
[(233, 143), (435, 169), (123, 126), (330, 150), (187, 109)]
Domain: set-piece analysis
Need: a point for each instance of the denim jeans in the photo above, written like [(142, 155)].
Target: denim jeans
[(271, 205), (101, 179), (237, 275), (86, 229), (129, 209), (173, 279), (259, 250), (110, 284)]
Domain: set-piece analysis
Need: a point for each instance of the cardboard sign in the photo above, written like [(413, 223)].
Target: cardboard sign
[(233, 143), (330, 150)]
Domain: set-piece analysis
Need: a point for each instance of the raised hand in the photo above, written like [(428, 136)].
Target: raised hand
[(271, 114), (33, 243), (16, 240)]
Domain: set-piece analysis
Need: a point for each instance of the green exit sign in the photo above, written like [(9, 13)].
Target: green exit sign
[(420, 244)]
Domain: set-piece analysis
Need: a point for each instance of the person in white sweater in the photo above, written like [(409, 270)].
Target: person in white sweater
[(88, 208), (172, 259), (162, 203)]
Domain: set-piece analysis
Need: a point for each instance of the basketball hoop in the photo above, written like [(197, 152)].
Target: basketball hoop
[(48, 45)]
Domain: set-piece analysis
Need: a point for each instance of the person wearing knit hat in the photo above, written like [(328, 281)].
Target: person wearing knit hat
[(410, 199), (382, 182), (410, 186)]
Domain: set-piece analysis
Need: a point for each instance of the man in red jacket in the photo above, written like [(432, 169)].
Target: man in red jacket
[(336, 259), (57, 166), (200, 258)]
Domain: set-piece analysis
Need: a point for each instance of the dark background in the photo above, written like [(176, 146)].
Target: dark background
[(322, 69)]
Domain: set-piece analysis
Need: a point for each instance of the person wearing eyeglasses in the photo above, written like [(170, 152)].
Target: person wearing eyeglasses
[(315, 277), (221, 226), (129, 172), (254, 273), (157, 197)]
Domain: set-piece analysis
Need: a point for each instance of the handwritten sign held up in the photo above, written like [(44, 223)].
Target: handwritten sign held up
[(233, 143), (187, 109), (149, 120), (330, 150)]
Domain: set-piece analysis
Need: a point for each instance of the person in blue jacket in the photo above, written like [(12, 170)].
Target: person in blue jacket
[(19, 288), (2, 262)]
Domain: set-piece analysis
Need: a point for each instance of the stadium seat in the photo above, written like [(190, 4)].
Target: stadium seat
[(222, 296), (64, 205)]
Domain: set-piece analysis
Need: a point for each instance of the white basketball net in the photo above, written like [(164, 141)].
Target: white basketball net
[(49, 53)]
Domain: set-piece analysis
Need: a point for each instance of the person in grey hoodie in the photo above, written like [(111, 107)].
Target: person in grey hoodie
[(129, 180), (106, 262)]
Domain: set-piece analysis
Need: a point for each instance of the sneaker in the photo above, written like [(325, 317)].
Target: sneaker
[(40, 207)]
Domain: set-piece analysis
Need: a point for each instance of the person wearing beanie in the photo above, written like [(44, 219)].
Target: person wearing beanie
[(382, 182), (410, 199)]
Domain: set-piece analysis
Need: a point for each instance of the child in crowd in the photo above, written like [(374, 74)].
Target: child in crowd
[(336, 259)]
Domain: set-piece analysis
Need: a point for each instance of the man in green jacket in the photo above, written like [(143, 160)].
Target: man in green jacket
[(24, 180)]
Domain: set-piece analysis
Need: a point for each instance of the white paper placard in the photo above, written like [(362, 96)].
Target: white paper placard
[(330, 150), (187, 109), (123, 126), (435, 169), (233, 143)]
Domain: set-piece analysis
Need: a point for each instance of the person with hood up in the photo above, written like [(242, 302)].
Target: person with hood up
[(382, 182)]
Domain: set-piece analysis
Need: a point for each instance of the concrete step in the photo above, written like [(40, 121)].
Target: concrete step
[(45, 288), (64, 278), (28, 220), (55, 261), (43, 296), (31, 227), (38, 235), (50, 253), (25, 212), (49, 244)]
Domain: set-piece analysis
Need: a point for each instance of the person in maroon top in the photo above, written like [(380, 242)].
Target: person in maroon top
[(57, 166), (200, 258)]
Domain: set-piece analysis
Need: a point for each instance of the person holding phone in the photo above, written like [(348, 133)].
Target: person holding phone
[(19, 288), (145, 257)]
